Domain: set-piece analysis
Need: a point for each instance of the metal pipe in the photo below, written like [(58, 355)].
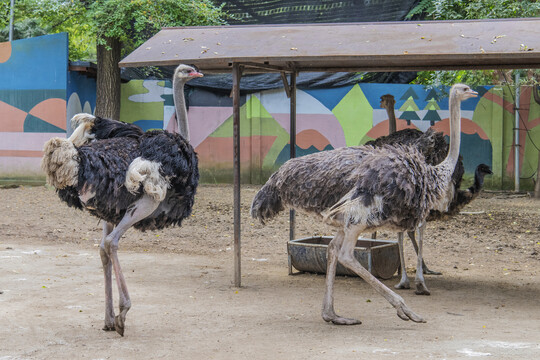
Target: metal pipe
[(11, 21), (516, 137), (236, 75), (292, 215)]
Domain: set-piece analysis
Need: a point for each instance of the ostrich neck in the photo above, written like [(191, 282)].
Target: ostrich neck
[(181, 110), (392, 126), (450, 161)]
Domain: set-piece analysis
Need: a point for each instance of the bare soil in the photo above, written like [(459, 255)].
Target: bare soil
[(184, 305)]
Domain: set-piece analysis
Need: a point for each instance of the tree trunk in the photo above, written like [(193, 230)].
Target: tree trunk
[(108, 79)]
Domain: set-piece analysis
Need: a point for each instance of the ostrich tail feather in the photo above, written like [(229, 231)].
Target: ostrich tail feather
[(146, 174), (60, 163), (266, 203)]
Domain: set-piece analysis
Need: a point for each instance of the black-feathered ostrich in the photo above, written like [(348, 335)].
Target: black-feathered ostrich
[(434, 148), (126, 178), (364, 188)]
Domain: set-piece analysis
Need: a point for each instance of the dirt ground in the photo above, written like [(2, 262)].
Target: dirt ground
[(184, 305)]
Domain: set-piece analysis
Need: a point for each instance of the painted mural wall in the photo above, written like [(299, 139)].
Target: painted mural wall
[(32, 100), (331, 118), (35, 86), (37, 97)]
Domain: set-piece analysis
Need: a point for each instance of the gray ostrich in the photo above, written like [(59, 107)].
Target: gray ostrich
[(126, 178), (435, 149), (365, 188)]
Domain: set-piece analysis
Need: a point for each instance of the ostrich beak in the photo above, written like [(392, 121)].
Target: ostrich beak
[(472, 93), (196, 74)]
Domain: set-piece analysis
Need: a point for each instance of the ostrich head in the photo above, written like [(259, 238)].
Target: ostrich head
[(186, 72), (483, 169), (463, 92), (387, 101)]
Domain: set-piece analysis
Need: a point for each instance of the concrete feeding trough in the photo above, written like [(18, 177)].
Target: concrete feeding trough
[(379, 257)]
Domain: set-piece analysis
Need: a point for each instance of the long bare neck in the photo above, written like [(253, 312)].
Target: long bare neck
[(451, 159), (392, 126), (180, 105)]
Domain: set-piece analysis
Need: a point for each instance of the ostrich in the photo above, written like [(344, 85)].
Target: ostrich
[(126, 178), (434, 148), (365, 188)]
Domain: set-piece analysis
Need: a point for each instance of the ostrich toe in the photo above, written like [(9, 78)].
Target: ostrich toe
[(119, 325), (431, 272), (421, 289)]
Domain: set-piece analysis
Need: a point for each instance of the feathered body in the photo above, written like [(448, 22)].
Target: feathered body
[(339, 185), (103, 169)]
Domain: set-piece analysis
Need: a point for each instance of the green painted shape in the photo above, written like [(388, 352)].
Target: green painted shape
[(131, 111), (255, 120), (409, 105), (496, 123), (409, 94), (432, 105), (530, 159), (432, 94), (35, 124), (355, 115), (409, 115), (432, 115)]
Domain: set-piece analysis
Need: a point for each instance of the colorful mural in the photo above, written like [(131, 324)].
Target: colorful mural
[(331, 118), (37, 101), (32, 100)]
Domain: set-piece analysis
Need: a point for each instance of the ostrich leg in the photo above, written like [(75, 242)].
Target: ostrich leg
[(107, 273), (346, 257), (421, 288), (404, 282), (135, 212), (415, 245), (328, 313)]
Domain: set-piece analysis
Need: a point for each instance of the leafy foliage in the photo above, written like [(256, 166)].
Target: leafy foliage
[(89, 22), (465, 10)]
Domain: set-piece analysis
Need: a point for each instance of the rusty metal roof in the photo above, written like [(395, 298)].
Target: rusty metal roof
[(385, 46)]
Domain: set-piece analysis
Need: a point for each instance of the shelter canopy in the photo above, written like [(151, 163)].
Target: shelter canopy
[(386, 46)]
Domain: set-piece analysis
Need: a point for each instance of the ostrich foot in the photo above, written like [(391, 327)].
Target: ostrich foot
[(330, 316), (338, 320), (407, 314), (421, 289), (119, 325), (108, 328), (403, 284)]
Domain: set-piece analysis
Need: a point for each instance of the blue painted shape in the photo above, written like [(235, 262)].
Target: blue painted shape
[(475, 151), (149, 124), (84, 86), (329, 97), (285, 154), (36, 63), (36, 125), (25, 100)]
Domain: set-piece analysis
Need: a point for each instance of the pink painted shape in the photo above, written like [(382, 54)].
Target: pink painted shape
[(5, 51), (327, 125), (310, 137), (52, 111), (11, 118), (468, 127), (381, 129), (14, 165), (203, 121), (25, 141)]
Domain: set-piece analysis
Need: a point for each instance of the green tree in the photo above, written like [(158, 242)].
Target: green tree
[(469, 9), (106, 30)]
